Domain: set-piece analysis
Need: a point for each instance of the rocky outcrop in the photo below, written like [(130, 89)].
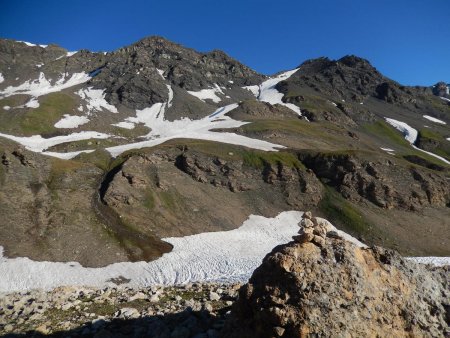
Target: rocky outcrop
[(136, 76), (383, 182), (175, 191), (441, 89), (322, 285)]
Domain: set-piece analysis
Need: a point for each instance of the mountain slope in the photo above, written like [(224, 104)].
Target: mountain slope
[(158, 140)]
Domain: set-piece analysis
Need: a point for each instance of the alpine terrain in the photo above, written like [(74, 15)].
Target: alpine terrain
[(156, 164)]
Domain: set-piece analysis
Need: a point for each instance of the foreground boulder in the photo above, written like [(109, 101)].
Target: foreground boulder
[(322, 285)]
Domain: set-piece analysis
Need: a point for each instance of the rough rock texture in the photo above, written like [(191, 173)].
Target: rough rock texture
[(321, 285), (192, 310), (175, 191), (383, 182), (131, 74)]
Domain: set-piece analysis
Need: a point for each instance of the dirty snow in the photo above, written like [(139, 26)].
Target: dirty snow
[(208, 94), (95, 100), (71, 121), (225, 256), (39, 144), (410, 135), (433, 119), (1, 78), (435, 261), (43, 86)]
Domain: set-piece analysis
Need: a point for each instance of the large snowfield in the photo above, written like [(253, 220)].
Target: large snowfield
[(226, 256)]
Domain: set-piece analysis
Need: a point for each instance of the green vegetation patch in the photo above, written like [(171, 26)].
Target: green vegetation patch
[(386, 133), (314, 103), (342, 212), (429, 136), (40, 120)]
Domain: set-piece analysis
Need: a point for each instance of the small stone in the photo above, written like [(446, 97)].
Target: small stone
[(66, 306), (127, 312), (154, 298), (138, 296), (306, 223), (319, 241), (305, 237), (208, 307), (8, 328), (43, 329), (279, 331), (307, 215), (214, 296), (333, 234), (306, 231), (322, 223), (319, 231)]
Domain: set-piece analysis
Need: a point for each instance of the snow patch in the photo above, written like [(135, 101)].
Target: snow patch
[(444, 98), (208, 94), (253, 89), (161, 73), (125, 125), (163, 130), (42, 86), (268, 92), (225, 256), (32, 44), (95, 100), (435, 261), (1, 78), (71, 121), (6, 107), (169, 103), (387, 149), (433, 119), (39, 144), (69, 54), (411, 136), (408, 132), (432, 154), (33, 103)]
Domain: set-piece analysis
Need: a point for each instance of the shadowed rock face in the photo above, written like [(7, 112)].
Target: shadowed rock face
[(330, 287)]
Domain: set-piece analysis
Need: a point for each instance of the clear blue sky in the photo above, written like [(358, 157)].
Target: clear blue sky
[(407, 40)]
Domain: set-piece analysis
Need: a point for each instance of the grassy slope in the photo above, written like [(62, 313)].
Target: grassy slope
[(41, 120)]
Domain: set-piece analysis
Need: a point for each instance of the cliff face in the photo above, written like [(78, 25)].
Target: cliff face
[(323, 285)]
